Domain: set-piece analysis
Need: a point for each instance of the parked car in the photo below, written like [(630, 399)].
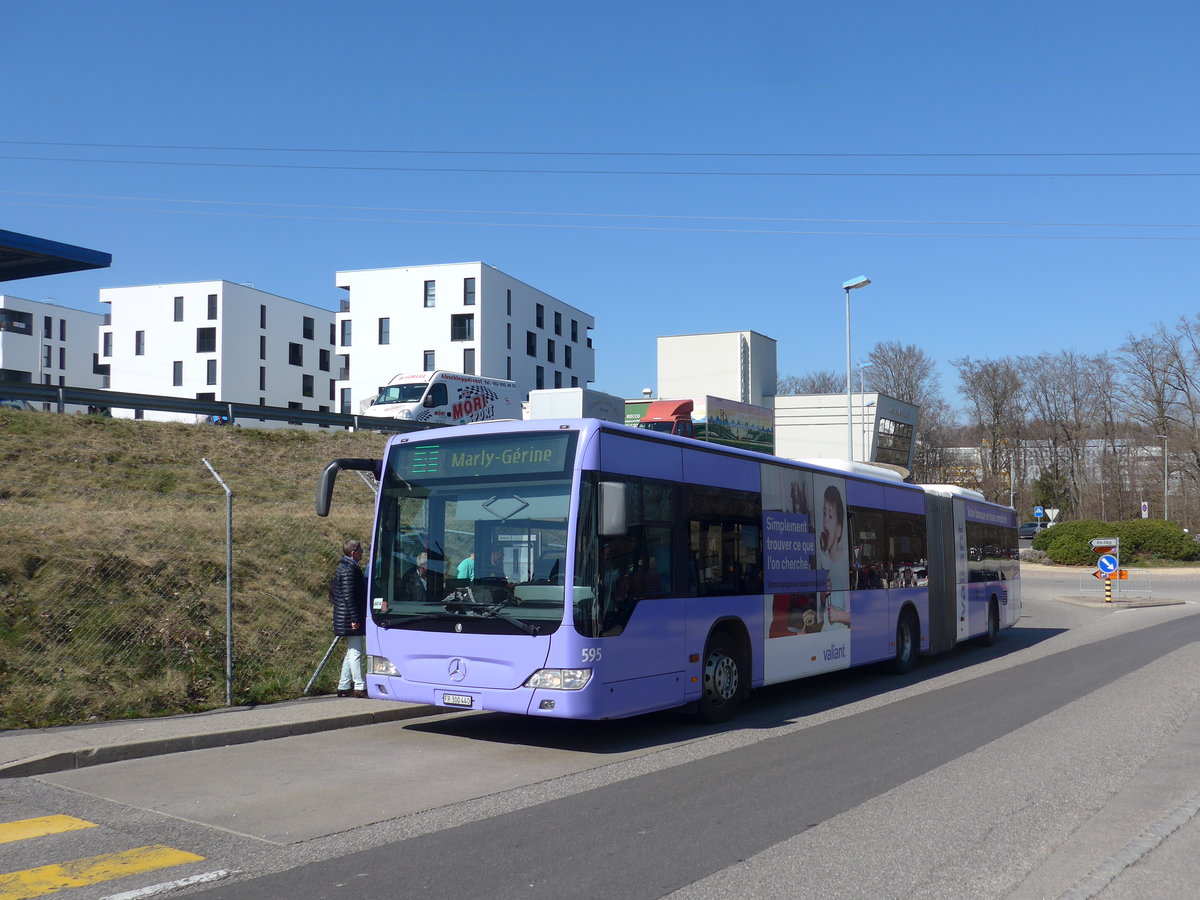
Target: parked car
[(1028, 530), (12, 403)]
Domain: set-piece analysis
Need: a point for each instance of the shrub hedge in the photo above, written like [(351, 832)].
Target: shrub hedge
[(1143, 541)]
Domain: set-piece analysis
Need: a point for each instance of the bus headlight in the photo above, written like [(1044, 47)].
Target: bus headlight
[(380, 665), (559, 679)]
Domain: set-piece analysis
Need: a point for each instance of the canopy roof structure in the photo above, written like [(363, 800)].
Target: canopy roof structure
[(24, 256)]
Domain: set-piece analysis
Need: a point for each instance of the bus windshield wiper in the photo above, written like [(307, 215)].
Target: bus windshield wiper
[(494, 611)]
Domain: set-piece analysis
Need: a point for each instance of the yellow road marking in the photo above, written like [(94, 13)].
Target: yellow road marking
[(92, 870), (40, 827)]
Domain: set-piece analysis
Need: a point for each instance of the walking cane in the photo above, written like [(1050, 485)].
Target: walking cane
[(325, 659)]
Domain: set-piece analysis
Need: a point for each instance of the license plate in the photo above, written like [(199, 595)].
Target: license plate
[(457, 699)]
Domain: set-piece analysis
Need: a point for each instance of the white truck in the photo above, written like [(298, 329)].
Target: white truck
[(446, 398), (574, 403)]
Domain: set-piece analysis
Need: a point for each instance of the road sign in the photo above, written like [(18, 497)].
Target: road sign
[(1052, 513), (1145, 509), (1105, 545), (1120, 575), (1107, 564), (1100, 575), (1038, 512)]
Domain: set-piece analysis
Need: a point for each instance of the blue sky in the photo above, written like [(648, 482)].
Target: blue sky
[(1015, 178)]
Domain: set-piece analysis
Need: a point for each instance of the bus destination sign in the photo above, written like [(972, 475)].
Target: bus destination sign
[(512, 454)]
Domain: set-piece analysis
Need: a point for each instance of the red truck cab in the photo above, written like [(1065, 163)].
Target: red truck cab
[(669, 417)]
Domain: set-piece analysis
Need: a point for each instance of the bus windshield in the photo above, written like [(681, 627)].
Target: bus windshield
[(402, 393), (471, 534)]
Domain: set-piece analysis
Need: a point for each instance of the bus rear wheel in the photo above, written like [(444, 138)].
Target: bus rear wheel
[(722, 681), (988, 638), (908, 642)]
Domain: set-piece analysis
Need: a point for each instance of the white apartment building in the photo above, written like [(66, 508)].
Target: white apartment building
[(216, 340), (736, 365), (463, 317), (44, 343)]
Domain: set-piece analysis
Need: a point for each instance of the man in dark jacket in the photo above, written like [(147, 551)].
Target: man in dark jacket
[(348, 591)]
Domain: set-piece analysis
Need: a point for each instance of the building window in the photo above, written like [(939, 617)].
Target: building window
[(508, 302), (62, 329), (430, 293), (262, 315), (429, 364), (558, 323), (345, 332), (508, 368), (332, 390), (345, 402), (549, 351), (262, 378), (462, 328), (323, 361), (139, 343), (568, 352), (508, 335), (540, 316), (62, 357), (574, 381), (575, 331), (295, 354), (540, 378), (178, 309), (332, 334), (557, 379), (262, 346), (206, 395), (206, 340), (47, 327), (106, 342), (210, 371), (343, 367), (468, 292), (309, 326), (306, 386), (385, 331), (48, 356), (212, 306), (468, 360), (530, 344)]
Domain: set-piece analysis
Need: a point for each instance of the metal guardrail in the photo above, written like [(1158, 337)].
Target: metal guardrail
[(94, 398), (1139, 586)]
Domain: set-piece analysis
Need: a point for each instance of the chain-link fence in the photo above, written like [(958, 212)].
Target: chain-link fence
[(123, 613)]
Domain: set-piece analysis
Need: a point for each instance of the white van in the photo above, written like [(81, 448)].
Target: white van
[(446, 398)]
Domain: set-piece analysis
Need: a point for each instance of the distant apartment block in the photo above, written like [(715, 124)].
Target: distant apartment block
[(463, 317), (44, 343), (216, 340)]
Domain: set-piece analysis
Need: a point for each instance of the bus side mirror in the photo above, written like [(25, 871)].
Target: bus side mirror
[(325, 485), (613, 516)]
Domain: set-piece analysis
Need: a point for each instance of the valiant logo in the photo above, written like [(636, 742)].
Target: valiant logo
[(837, 651)]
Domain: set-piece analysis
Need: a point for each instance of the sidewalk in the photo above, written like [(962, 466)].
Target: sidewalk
[(41, 750)]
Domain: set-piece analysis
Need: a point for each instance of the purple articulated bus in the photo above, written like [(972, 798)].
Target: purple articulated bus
[(586, 570)]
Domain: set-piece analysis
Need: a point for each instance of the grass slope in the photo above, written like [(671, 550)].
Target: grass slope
[(113, 563)]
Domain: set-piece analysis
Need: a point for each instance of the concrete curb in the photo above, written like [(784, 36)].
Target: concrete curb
[(99, 755), (1118, 604)]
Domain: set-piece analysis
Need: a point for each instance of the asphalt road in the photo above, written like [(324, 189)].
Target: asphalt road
[(1012, 771)]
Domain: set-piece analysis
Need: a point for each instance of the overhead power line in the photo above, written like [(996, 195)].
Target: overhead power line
[(649, 172), (613, 153)]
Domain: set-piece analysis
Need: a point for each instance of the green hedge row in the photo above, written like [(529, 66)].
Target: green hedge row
[(1142, 541)]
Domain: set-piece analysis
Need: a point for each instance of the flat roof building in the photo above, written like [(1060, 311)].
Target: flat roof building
[(462, 317)]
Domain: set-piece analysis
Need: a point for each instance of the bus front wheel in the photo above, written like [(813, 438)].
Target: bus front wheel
[(908, 642), (722, 680)]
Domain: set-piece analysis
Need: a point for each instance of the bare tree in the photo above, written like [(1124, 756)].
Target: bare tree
[(992, 389), (907, 373), (822, 382)]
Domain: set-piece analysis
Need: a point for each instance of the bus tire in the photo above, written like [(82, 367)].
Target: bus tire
[(723, 680), (908, 642), (988, 638)]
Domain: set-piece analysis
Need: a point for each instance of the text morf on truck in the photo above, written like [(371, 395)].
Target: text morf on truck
[(446, 398)]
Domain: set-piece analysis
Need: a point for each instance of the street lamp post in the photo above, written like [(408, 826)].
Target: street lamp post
[(1164, 440), (848, 286)]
